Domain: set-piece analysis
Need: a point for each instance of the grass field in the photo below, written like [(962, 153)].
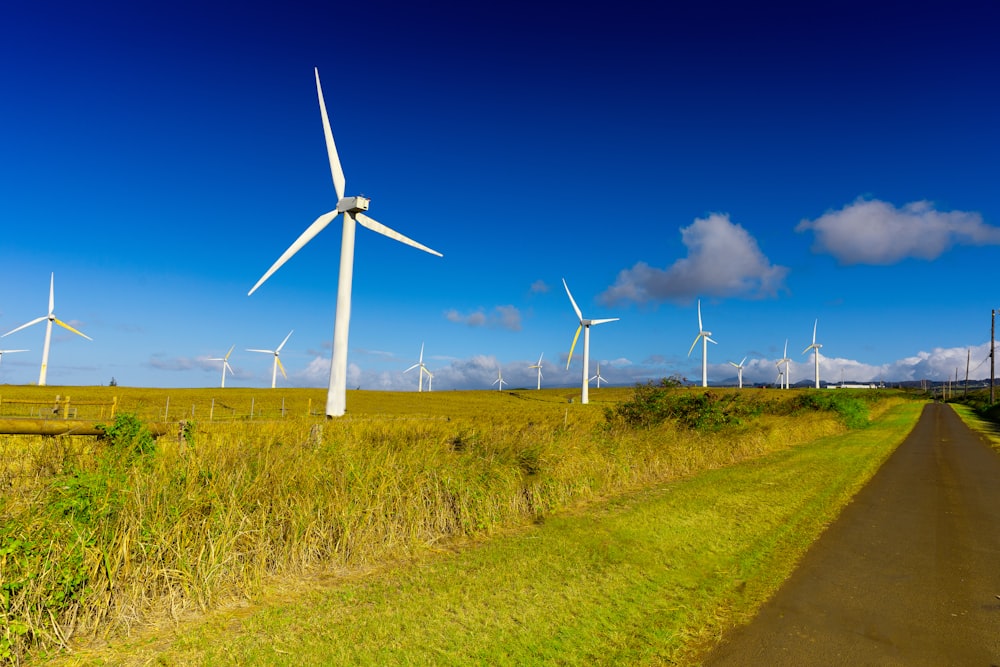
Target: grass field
[(101, 538)]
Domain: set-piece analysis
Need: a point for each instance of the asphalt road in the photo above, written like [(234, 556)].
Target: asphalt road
[(909, 574)]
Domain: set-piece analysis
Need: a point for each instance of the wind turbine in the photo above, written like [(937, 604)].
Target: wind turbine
[(598, 377), (420, 373), (539, 367), (706, 338), (277, 360), (783, 373), (815, 347), (225, 365), (48, 330), (500, 380), (739, 370), (352, 209), (585, 324)]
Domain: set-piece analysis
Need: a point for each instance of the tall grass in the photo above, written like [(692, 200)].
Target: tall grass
[(99, 537)]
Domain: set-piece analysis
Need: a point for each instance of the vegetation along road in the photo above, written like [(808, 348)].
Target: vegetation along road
[(908, 575)]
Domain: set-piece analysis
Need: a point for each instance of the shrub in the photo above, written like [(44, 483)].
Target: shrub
[(128, 435)]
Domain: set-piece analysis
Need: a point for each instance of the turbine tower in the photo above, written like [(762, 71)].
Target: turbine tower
[(585, 324), (277, 360), (48, 330), (423, 370), (539, 367), (739, 370), (352, 209), (706, 338), (225, 365), (815, 347)]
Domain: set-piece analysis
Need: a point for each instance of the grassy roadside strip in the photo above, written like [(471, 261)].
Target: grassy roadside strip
[(651, 578), (988, 429)]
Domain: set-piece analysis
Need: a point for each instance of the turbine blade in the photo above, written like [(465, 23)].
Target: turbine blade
[(421, 353), (281, 367), (696, 339), (69, 328), (424, 370), (576, 308), (391, 233), (336, 171), (734, 364), (284, 341), (52, 292), (710, 340), (700, 327), (230, 351), (25, 326), (227, 367), (814, 330), (608, 319), (315, 228), (411, 368), (743, 362), (264, 351), (575, 337)]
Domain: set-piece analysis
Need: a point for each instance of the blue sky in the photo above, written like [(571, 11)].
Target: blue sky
[(780, 163)]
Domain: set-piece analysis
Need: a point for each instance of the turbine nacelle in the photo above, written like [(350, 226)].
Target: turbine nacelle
[(353, 204)]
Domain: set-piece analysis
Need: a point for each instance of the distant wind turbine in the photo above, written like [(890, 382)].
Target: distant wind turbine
[(277, 360), (706, 338), (225, 365), (783, 373), (539, 367), (815, 347), (598, 377), (352, 209), (500, 380), (423, 370), (585, 324), (739, 370), (48, 330)]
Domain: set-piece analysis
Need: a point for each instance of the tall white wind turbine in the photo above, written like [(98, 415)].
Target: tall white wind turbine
[(539, 367), (352, 209), (48, 330), (739, 370), (225, 365), (423, 370), (815, 347), (585, 324), (706, 338), (277, 360), (783, 372)]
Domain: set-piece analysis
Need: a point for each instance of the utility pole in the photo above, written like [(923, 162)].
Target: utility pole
[(968, 358), (993, 329)]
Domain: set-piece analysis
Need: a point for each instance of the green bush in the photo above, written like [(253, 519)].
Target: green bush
[(128, 435), (707, 411), (851, 407)]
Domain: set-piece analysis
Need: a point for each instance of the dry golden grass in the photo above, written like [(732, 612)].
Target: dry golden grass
[(95, 542)]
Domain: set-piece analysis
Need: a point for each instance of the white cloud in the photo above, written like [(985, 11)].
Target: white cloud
[(539, 287), (723, 260), (501, 317), (870, 231)]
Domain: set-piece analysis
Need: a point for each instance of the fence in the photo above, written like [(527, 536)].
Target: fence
[(60, 408)]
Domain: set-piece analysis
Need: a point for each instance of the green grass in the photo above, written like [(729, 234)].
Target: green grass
[(650, 577)]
